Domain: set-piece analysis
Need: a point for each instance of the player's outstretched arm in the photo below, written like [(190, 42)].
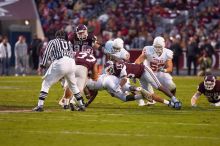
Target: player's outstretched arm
[(95, 72), (140, 59), (195, 98)]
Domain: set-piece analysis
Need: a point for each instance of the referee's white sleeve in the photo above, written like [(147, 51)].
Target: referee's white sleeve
[(47, 53)]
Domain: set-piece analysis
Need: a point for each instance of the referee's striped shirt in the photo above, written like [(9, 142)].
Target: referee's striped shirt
[(56, 49)]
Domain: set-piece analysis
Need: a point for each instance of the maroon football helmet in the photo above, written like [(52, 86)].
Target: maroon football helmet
[(82, 32), (209, 82)]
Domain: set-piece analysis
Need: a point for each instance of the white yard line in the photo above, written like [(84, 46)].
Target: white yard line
[(123, 134)]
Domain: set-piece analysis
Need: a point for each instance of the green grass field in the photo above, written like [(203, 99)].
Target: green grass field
[(107, 122)]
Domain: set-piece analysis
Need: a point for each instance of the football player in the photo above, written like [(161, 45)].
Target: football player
[(82, 41), (111, 83), (85, 62), (146, 76), (159, 59), (210, 87), (116, 48)]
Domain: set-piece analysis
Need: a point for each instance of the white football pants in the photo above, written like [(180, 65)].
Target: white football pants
[(64, 67)]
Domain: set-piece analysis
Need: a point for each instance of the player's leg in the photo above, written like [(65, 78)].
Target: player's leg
[(167, 81), (92, 88), (147, 86), (52, 76), (70, 76), (150, 77), (64, 101), (81, 77), (81, 74), (127, 86)]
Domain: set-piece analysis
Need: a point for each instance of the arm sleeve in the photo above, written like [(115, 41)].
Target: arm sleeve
[(169, 54), (46, 55)]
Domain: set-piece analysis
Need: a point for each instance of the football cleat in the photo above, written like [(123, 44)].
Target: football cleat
[(141, 102), (77, 105), (82, 108), (66, 107), (74, 107), (38, 109), (171, 104), (177, 105)]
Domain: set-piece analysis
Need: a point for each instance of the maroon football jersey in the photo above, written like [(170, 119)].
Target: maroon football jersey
[(213, 95), (82, 45), (132, 70), (85, 59)]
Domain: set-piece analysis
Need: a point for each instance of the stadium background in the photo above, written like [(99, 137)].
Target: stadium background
[(136, 22), (108, 121)]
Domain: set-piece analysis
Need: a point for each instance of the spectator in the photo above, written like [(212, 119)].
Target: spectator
[(1, 38), (21, 56), (139, 41), (34, 54), (205, 64), (40, 52), (192, 53), (5, 56), (208, 48), (177, 51)]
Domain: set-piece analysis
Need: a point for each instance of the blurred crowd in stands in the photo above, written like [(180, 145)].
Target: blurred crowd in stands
[(187, 25)]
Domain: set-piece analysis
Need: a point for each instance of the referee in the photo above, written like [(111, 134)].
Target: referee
[(63, 65)]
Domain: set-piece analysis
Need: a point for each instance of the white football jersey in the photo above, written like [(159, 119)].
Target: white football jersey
[(153, 60), (123, 54)]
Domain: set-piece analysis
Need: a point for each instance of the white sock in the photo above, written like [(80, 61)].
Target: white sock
[(165, 101), (66, 101), (40, 102), (173, 98), (217, 104)]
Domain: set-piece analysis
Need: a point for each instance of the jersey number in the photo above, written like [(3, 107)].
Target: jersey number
[(90, 57), (155, 66)]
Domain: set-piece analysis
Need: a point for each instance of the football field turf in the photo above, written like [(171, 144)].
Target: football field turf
[(106, 122)]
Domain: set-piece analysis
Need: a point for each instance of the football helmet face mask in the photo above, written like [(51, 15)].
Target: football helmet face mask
[(117, 45), (159, 44), (82, 32), (209, 82), (109, 68)]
